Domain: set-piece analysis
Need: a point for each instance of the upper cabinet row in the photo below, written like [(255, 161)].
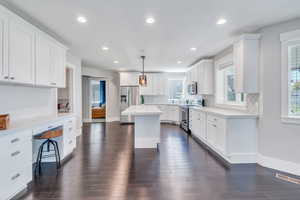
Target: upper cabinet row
[(156, 82), (202, 73), (246, 61), (27, 55)]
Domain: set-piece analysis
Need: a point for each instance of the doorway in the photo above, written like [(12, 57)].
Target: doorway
[(98, 100)]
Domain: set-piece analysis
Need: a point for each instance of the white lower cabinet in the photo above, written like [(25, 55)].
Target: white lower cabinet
[(16, 167), (233, 138)]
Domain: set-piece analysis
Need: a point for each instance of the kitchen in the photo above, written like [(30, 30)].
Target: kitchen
[(209, 112)]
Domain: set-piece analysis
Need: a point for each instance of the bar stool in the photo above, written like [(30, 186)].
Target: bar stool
[(48, 136)]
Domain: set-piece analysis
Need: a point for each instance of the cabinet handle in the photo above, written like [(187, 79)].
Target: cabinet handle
[(70, 142), (15, 153), (15, 176), (6, 77), (15, 140), (214, 125), (12, 78), (53, 83), (70, 129)]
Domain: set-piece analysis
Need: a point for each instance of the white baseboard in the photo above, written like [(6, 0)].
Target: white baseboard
[(112, 119), (242, 158), (277, 164)]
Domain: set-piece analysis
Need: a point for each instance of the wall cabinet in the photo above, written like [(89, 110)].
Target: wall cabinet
[(29, 56), (129, 78), (50, 62), (246, 61), (234, 139), (202, 73), (21, 50), (156, 85)]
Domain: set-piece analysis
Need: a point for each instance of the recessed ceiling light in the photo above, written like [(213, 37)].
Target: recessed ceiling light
[(150, 20), (179, 62), (105, 48), (116, 62), (193, 49), (221, 21), (81, 19)]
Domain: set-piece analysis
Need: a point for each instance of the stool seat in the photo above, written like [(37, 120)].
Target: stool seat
[(53, 133)]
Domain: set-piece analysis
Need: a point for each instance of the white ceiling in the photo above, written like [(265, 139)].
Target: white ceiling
[(120, 25)]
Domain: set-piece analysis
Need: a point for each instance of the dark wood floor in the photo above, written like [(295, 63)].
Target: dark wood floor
[(104, 167)]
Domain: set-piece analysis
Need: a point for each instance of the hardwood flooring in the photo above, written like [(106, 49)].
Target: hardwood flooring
[(104, 167)]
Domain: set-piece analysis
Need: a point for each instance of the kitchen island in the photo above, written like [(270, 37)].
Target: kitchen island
[(146, 125)]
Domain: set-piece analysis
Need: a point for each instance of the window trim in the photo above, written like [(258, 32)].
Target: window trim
[(222, 63), (287, 39), (168, 87)]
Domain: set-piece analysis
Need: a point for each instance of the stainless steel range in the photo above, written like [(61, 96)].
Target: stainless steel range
[(184, 124)]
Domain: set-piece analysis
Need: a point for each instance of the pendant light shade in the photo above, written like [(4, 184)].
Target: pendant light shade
[(143, 77)]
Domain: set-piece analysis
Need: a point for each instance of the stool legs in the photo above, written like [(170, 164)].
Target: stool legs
[(40, 154)]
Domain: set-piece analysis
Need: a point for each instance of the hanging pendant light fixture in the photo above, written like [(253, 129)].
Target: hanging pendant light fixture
[(143, 77)]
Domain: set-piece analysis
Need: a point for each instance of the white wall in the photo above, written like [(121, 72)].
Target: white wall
[(27, 102), (276, 140), (113, 86)]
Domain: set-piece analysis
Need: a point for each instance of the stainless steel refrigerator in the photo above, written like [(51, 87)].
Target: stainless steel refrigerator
[(129, 96)]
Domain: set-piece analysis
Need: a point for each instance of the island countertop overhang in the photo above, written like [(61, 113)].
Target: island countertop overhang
[(142, 110)]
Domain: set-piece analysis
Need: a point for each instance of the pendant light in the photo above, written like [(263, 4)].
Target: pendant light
[(143, 77)]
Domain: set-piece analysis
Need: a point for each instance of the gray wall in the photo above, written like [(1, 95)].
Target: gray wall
[(276, 140)]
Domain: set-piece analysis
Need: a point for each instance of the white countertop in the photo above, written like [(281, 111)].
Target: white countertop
[(140, 110), (33, 122), (226, 113)]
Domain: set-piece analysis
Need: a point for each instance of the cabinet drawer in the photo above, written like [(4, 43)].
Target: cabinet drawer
[(15, 180), (212, 118), (18, 155)]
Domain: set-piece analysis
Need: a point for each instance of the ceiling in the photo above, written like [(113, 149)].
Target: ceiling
[(180, 25)]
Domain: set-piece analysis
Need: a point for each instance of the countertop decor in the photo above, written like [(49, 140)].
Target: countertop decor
[(4, 121)]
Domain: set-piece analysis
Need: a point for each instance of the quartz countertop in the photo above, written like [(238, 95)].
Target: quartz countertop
[(140, 110), (31, 123), (226, 113)]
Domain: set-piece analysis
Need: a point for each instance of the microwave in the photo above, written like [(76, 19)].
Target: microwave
[(192, 88)]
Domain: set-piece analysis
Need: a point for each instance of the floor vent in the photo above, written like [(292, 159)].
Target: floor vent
[(287, 178)]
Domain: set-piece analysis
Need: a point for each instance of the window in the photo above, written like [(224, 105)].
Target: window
[(294, 79), (225, 86), (175, 89), (290, 77)]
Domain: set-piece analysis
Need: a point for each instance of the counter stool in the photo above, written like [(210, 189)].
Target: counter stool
[(48, 136)]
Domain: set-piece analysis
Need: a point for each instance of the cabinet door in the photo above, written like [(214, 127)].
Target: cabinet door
[(21, 52), (211, 133), (43, 61), (238, 62), (202, 126), (58, 55), (221, 136), (3, 48)]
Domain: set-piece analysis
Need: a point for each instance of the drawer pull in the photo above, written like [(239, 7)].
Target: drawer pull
[(70, 129), (15, 153), (15, 176), (15, 140), (214, 125), (70, 142)]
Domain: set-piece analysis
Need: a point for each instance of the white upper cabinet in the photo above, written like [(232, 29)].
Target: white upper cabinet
[(58, 68), (202, 73), (28, 55), (21, 52), (50, 62), (205, 77), (3, 53), (246, 61), (43, 60), (129, 78)]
